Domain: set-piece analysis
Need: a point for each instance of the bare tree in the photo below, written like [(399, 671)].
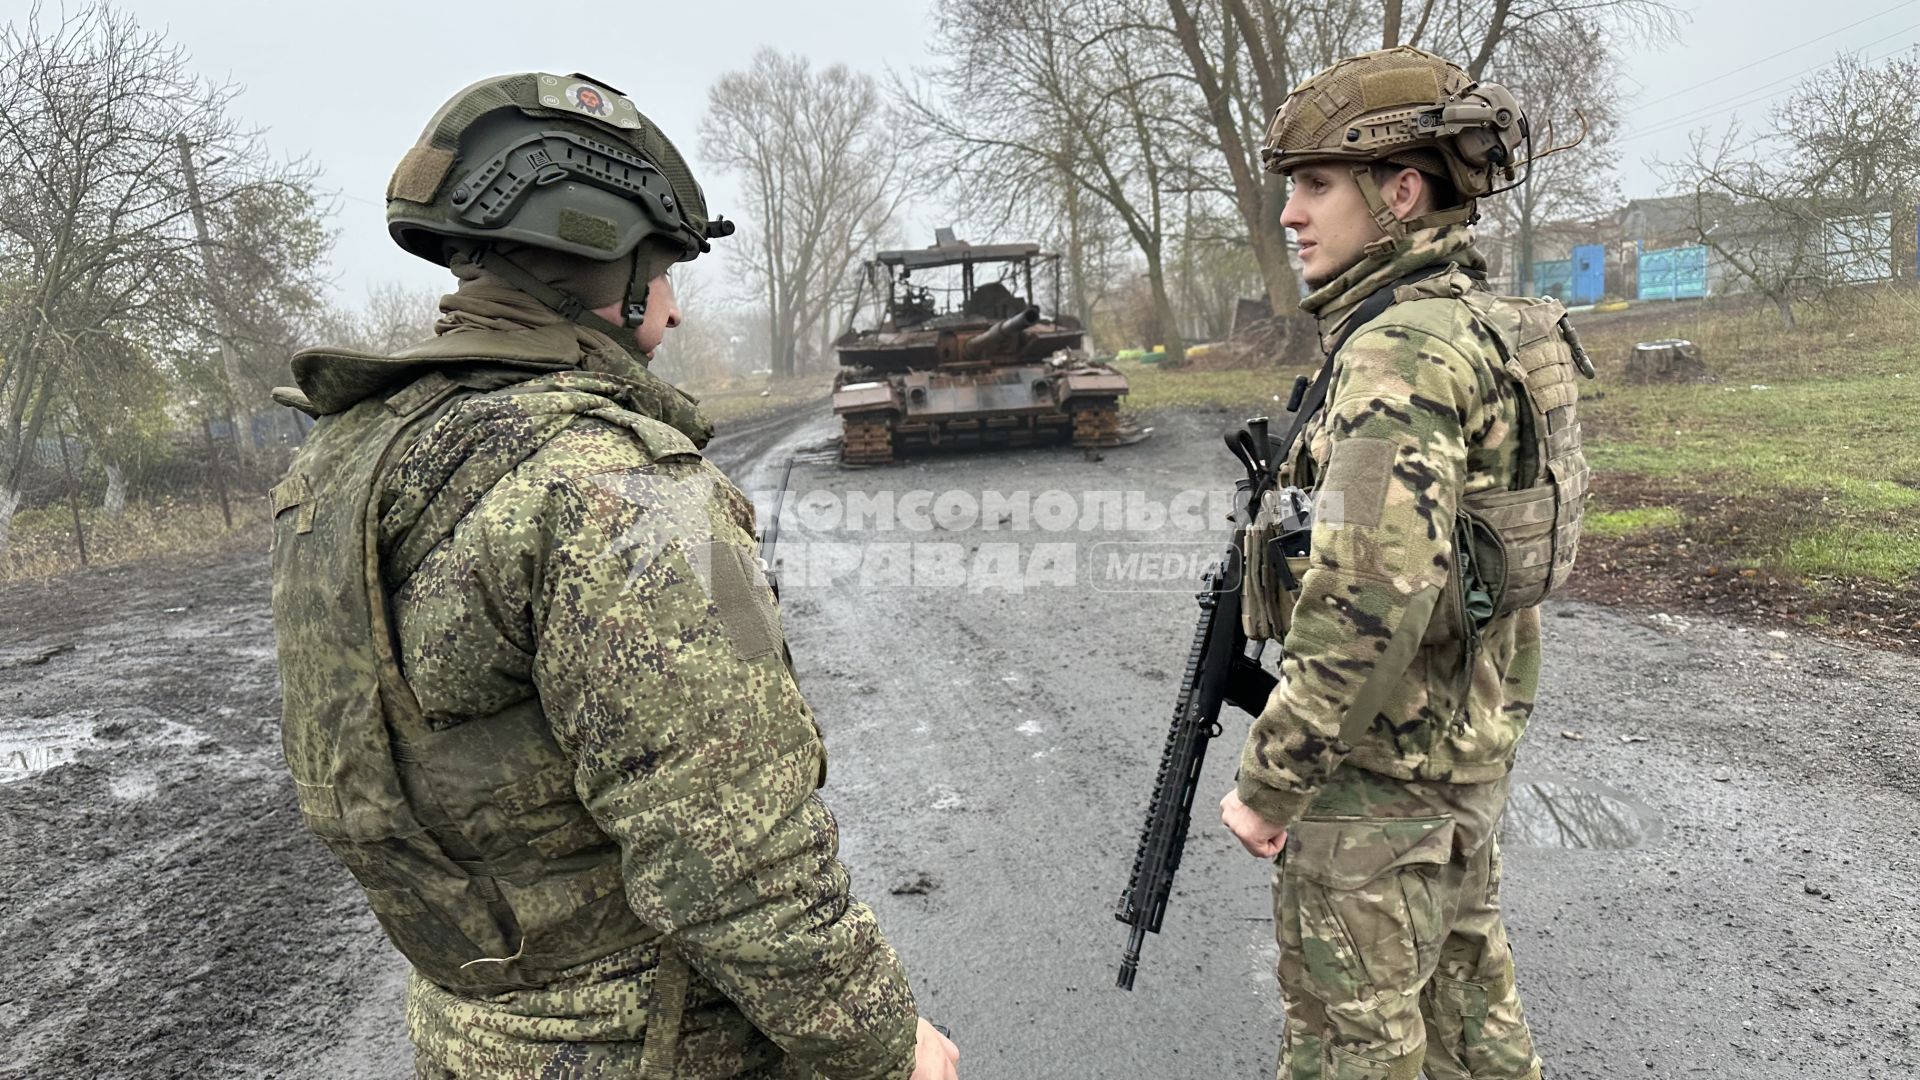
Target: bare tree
[(1568, 86), (1244, 56), (1857, 127), (824, 182), (1049, 95), (95, 219), (264, 295), (1800, 204), (392, 317)]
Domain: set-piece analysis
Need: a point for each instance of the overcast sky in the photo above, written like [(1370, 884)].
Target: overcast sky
[(351, 83)]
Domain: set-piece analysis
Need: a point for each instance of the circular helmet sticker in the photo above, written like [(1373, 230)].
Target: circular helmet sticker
[(589, 99)]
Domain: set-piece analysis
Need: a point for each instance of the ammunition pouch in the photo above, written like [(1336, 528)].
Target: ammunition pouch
[(1274, 556)]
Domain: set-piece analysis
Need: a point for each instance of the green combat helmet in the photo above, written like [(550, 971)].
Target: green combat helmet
[(1409, 107), (559, 162)]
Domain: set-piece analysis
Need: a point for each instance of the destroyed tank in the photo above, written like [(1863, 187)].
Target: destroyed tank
[(960, 355)]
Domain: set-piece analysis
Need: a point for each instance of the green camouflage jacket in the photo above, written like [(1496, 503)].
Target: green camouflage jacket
[(1415, 419), (594, 678)]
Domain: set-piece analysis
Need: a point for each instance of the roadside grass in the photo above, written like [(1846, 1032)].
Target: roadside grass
[(1882, 554), (1149, 387), (42, 540), (1810, 435), (749, 399)]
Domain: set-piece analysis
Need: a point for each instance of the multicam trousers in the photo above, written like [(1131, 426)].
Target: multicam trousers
[(1393, 956)]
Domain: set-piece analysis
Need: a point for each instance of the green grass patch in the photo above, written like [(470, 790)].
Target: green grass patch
[(1150, 386), (1882, 554), (1814, 427), (1616, 523)]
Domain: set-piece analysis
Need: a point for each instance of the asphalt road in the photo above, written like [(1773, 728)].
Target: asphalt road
[(1730, 894)]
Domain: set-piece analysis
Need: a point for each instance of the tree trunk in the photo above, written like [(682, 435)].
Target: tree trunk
[(1523, 255), (1253, 187), (115, 502), (9, 503), (1784, 304), (1077, 257), (1390, 28), (1162, 305)]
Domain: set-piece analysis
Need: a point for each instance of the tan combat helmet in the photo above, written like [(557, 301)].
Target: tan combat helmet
[(1409, 107), (562, 162)]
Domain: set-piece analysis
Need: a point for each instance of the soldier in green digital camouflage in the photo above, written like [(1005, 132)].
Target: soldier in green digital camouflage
[(536, 694), (1448, 484)]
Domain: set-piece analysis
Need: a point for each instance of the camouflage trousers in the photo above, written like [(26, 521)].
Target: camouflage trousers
[(1393, 956)]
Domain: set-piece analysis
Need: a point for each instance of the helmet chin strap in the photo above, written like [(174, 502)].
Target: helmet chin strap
[(635, 311), (1397, 229)]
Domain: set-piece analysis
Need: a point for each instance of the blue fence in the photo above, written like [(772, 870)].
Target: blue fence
[(1673, 273), (1554, 277)]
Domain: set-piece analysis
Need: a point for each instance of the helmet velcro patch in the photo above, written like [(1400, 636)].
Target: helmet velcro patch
[(590, 230), (420, 174), (1399, 86)]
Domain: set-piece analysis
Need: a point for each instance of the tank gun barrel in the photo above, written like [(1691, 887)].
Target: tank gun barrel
[(997, 334)]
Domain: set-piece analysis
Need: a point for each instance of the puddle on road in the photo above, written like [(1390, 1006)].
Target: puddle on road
[(1556, 812)]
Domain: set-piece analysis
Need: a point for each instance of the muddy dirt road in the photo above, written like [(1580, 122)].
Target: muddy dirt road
[(1729, 894)]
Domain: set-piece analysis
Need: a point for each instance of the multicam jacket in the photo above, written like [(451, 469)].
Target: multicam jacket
[(1416, 419), (536, 700)]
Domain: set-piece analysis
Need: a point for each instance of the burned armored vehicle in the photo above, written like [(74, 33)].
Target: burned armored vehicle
[(955, 351)]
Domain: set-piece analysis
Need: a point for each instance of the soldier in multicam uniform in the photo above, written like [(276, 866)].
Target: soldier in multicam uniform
[(1379, 768), (536, 692)]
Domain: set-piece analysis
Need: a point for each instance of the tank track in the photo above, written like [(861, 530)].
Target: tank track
[(1097, 424), (866, 440)]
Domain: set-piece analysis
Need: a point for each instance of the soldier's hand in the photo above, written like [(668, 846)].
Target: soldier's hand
[(934, 1056), (1262, 838)]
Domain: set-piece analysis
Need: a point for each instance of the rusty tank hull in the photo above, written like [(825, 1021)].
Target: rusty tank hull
[(995, 372)]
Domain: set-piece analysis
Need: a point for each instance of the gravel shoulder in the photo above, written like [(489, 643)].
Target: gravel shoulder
[(166, 915)]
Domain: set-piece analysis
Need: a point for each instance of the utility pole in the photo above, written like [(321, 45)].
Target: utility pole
[(229, 360)]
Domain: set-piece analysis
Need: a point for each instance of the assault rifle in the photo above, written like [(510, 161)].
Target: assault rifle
[(1220, 670)]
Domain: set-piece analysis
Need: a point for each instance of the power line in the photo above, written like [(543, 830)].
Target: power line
[(1772, 56), (1763, 91)]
